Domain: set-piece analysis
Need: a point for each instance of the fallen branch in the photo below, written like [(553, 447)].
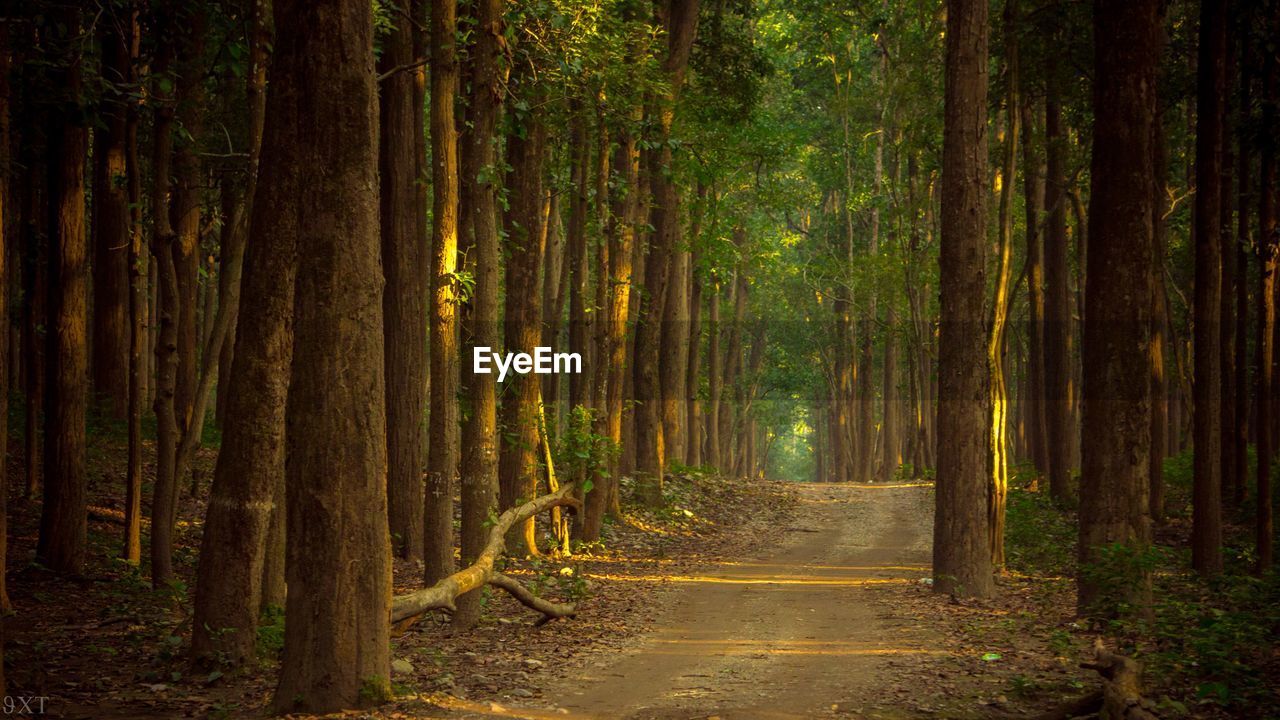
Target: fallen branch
[(406, 609)]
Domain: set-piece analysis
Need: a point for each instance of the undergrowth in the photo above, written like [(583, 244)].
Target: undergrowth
[(1208, 645)]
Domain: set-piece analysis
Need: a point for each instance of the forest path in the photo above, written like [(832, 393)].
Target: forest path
[(801, 632)]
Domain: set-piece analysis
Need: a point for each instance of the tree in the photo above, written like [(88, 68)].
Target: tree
[(1206, 529), (1116, 393), (479, 477), (1058, 327), (1269, 257), (526, 154), (406, 264), (443, 468), (63, 523), (961, 547), (320, 140), (680, 21), (250, 465), (111, 221)]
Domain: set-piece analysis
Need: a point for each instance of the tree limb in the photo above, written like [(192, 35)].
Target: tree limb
[(406, 609)]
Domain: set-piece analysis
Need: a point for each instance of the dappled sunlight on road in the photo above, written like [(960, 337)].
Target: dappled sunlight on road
[(758, 580)]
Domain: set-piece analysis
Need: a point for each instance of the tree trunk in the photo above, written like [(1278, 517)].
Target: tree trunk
[(1159, 324), (188, 23), (137, 267), (997, 340), (715, 376), (961, 545), (1269, 252), (111, 223), (321, 140), (1033, 198), (406, 267), (1117, 390), (63, 525), (479, 481), (6, 354), (1206, 528), (621, 238), (693, 365), (242, 500), (1059, 427), (1244, 243), (526, 153), (442, 469)]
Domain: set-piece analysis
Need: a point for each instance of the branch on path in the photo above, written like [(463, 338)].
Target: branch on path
[(406, 609)]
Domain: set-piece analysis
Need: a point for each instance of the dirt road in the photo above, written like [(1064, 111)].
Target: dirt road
[(799, 632)]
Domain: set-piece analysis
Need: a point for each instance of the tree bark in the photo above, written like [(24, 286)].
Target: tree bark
[(232, 577), (111, 222), (1206, 527), (442, 469), (526, 153), (1116, 403), (189, 22), (1269, 256), (961, 545), (479, 481), (338, 550), (997, 339), (1033, 198), (137, 268), (1059, 427), (63, 524), (406, 267)]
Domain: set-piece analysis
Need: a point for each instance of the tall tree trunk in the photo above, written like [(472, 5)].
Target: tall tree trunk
[(338, 550), (442, 470), (693, 365), (1206, 528), (231, 575), (1059, 427), (961, 544), (730, 410), (680, 20), (1269, 251), (577, 258), (1227, 261), (518, 462), (1244, 243), (997, 340), (715, 375), (1159, 324), (479, 481), (137, 268), (1033, 198), (189, 23), (621, 238), (6, 353), (405, 264), (111, 222), (63, 520), (1117, 390)]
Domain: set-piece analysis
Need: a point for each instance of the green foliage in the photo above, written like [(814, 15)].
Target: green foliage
[(1040, 539), (578, 451), (270, 640)]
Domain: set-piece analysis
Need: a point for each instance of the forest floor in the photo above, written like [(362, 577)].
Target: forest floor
[(834, 618), (737, 599)]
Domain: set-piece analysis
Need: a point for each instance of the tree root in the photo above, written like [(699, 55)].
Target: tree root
[(408, 608)]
